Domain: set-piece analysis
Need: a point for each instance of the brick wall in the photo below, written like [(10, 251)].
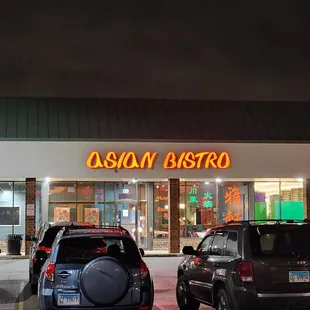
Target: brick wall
[(161, 244), (30, 220), (174, 215)]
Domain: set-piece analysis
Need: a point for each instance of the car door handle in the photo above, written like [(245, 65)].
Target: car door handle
[(216, 264), (64, 274)]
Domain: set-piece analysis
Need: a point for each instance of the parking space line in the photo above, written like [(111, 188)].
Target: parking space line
[(21, 296)]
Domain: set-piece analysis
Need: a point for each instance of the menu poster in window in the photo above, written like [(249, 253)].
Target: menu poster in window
[(91, 216), (9, 216), (62, 215)]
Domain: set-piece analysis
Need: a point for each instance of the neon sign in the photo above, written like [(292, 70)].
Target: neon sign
[(187, 160)]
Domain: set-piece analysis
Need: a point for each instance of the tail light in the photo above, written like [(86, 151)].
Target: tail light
[(43, 248), (245, 272), (50, 272), (144, 271)]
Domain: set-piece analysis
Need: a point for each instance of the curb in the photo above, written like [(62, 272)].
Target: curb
[(163, 255), (11, 257)]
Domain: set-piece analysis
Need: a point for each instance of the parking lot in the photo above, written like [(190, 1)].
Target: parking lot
[(15, 292)]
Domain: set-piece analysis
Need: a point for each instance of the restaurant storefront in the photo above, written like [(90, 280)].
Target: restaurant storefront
[(166, 194)]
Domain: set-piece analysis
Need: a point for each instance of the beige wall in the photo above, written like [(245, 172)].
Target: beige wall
[(67, 160)]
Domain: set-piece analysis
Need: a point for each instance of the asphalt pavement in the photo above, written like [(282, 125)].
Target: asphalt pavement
[(15, 291)]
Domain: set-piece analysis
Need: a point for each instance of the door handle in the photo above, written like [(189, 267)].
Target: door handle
[(216, 264), (64, 274)]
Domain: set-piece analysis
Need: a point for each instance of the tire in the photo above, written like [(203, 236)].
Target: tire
[(185, 299), (34, 289), (222, 301), (30, 276)]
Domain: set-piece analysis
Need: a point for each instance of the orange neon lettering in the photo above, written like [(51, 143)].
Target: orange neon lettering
[(170, 161), (150, 158), (120, 160), (223, 161), (212, 156), (180, 161), (189, 161), (130, 161), (110, 161), (200, 157), (94, 161)]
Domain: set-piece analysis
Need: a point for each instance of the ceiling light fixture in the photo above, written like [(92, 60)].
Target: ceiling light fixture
[(300, 179), (218, 180), (47, 179)]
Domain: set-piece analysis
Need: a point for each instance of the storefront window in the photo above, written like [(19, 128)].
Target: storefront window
[(267, 200), (161, 210), (199, 200), (279, 200), (233, 201), (292, 200)]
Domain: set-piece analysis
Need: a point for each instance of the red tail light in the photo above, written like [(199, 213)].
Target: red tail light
[(43, 248), (144, 271), (50, 272), (245, 272)]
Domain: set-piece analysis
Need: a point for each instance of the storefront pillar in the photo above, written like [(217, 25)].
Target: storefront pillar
[(174, 215), (30, 212)]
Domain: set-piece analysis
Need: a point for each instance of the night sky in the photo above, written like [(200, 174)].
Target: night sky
[(177, 50)]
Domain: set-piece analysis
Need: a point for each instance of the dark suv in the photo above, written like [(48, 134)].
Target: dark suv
[(248, 265), (43, 242), (99, 268)]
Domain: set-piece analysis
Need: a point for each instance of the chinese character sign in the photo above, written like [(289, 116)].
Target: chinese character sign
[(232, 196), (232, 203)]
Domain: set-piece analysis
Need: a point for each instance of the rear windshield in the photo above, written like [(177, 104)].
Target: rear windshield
[(281, 240), (49, 236), (84, 249)]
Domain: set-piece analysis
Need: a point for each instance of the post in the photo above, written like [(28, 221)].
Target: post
[(30, 217), (174, 215)]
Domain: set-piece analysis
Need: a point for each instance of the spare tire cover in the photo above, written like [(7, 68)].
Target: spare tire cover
[(104, 281)]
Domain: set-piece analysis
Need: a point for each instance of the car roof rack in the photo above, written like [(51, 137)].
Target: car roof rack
[(97, 226), (275, 221)]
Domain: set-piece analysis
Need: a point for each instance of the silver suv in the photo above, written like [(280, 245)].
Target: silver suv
[(98, 268)]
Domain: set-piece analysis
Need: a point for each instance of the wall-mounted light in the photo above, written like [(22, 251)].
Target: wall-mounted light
[(166, 207), (182, 205), (47, 179), (134, 180), (300, 179), (218, 180), (206, 183)]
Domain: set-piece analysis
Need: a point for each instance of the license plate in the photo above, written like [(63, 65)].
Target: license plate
[(68, 300), (299, 276)]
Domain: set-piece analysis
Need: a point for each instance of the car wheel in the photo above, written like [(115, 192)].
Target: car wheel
[(34, 289), (222, 301), (184, 297)]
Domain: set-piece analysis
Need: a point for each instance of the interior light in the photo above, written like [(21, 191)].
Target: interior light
[(47, 179), (300, 179), (206, 183), (218, 180), (182, 205), (157, 186), (134, 180), (166, 207)]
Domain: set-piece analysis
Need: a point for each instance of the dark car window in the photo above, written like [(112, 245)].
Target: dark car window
[(48, 238), (204, 246), (218, 244), (280, 240), (84, 249), (232, 244)]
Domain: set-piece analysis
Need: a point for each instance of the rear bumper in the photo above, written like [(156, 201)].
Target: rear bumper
[(47, 303), (250, 299)]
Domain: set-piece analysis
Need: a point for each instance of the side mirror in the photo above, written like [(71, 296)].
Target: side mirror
[(189, 250), (42, 255), (142, 252)]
